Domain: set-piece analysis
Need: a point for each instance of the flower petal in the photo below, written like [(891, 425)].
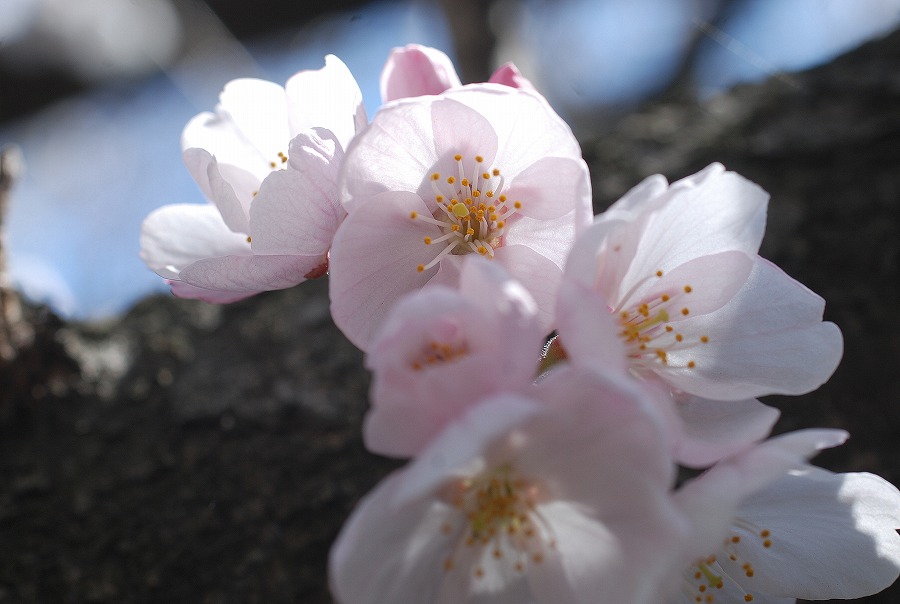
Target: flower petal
[(768, 340), (175, 236), (220, 137), (416, 70), (297, 210), (713, 430), (394, 153), (250, 273), (326, 98), (550, 238), (509, 75), (724, 212), (527, 128), (260, 112), (373, 261), (491, 342), (833, 536), (712, 499), (540, 276), (551, 187), (219, 190), (214, 296), (587, 331)]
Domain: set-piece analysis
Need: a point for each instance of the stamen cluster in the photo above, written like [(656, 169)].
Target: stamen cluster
[(471, 211)]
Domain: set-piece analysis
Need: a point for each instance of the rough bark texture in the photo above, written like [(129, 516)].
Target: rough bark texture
[(191, 453)]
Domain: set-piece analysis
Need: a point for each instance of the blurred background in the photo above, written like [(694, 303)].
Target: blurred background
[(96, 92)]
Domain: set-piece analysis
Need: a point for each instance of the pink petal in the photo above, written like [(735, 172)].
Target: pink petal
[(250, 273), (540, 276), (297, 210), (509, 75), (326, 98), (588, 333), (373, 261), (702, 285), (410, 140), (416, 70), (458, 129), (551, 187), (175, 236), (527, 128), (412, 404), (552, 239), (395, 153), (183, 290)]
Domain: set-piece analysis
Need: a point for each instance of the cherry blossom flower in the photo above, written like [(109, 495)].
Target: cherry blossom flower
[(482, 169), (440, 350), (416, 70), (677, 267), (521, 501), (267, 160), (708, 430), (808, 534)]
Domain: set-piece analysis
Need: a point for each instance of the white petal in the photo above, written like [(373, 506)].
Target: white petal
[(217, 189), (175, 236), (260, 112), (394, 153), (768, 340), (716, 429), (219, 136), (832, 536), (326, 98), (725, 212), (390, 554), (712, 499)]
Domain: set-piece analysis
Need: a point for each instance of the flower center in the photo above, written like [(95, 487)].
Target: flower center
[(500, 523), (279, 161), (709, 575), (647, 325), (472, 211), (434, 353)]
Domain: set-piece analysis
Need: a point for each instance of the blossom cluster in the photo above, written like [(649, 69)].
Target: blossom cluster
[(551, 375)]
